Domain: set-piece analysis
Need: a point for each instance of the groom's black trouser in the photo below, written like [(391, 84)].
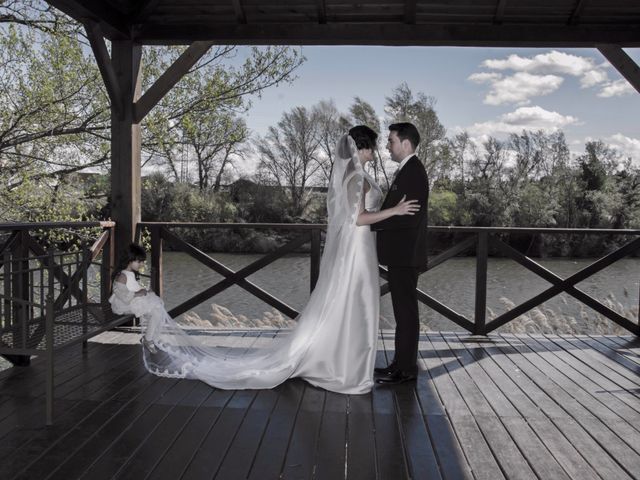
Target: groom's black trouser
[(402, 285)]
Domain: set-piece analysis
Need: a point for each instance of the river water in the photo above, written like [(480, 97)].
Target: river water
[(452, 283)]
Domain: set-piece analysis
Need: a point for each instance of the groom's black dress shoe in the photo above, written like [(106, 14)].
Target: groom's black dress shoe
[(386, 370), (396, 377)]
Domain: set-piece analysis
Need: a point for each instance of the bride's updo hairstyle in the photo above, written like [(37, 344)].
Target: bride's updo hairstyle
[(364, 137)]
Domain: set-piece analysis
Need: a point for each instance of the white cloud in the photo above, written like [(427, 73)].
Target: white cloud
[(523, 118), (552, 62), (616, 89), (519, 88), (485, 77), (544, 69), (593, 78), (627, 146)]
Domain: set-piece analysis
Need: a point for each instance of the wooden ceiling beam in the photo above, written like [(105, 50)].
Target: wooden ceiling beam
[(241, 16), (101, 54), (169, 78), (498, 18), (322, 11), (623, 63), (410, 12), (510, 35), (574, 19), (113, 24), (144, 10)]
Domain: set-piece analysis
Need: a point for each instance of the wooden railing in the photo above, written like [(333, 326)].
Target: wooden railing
[(36, 272), (45, 298), (475, 238)]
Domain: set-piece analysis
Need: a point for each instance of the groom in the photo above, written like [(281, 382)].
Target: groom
[(402, 247)]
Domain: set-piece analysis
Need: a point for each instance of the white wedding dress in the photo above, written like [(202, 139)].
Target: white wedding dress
[(334, 343)]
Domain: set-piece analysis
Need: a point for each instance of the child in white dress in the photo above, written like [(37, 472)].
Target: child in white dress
[(129, 297)]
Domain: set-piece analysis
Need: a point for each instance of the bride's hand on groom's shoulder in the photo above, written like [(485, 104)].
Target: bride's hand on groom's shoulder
[(406, 207)]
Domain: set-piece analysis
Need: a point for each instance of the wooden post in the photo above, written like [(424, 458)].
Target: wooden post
[(156, 260), (49, 333), (125, 144), (86, 263), (482, 253), (314, 272), (106, 268)]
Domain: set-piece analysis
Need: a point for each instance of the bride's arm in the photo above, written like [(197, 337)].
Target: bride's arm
[(408, 207)]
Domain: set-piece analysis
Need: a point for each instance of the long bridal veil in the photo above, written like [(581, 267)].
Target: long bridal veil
[(268, 364)]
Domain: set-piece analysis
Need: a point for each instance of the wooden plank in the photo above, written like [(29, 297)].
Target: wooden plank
[(606, 434), (156, 460), (539, 457), (479, 455), (562, 450), (608, 362), (390, 446), (611, 389), (418, 444), (535, 449), (301, 454), (332, 438), (206, 460), (480, 397), (557, 371), (598, 457), (451, 457), (274, 444), (111, 430), (361, 451), (66, 448), (160, 421), (74, 381), (621, 346), (237, 461)]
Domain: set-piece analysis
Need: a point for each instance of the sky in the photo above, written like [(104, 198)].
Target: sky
[(485, 91)]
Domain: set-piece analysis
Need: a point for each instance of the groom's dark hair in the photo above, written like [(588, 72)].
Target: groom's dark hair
[(406, 131), (364, 137)]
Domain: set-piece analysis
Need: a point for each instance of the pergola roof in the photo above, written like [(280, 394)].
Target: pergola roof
[(513, 23)]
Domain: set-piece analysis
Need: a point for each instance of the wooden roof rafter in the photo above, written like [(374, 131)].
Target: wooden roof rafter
[(144, 10), (240, 13), (410, 9), (623, 63), (100, 52), (113, 23), (574, 19), (499, 16), (321, 7)]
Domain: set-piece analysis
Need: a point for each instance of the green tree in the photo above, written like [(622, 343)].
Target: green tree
[(403, 106)]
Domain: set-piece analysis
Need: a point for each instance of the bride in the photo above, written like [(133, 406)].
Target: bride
[(334, 342)]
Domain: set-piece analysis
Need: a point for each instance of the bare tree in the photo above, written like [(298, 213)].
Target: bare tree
[(332, 124), (289, 154)]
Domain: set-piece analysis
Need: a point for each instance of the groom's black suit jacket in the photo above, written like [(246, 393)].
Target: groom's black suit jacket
[(402, 239)]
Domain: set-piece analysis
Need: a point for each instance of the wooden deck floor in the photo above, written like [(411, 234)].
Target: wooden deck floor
[(517, 407)]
